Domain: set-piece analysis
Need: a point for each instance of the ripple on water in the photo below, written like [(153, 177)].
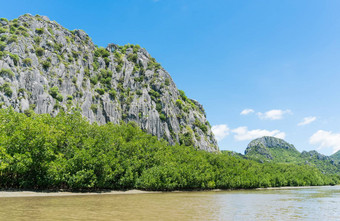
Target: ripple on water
[(315, 203)]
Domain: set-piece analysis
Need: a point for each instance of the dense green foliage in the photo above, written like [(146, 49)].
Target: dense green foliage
[(44, 152)]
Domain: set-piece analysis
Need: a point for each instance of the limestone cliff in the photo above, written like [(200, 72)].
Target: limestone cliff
[(46, 68)]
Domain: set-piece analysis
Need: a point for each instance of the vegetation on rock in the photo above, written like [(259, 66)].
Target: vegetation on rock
[(107, 84), (271, 149)]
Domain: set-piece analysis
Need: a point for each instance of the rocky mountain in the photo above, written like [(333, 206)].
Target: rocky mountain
[(46, 68), (272, 149)]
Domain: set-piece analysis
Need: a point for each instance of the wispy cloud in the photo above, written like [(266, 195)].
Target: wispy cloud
[(220, 131), (242, 133), (326, 139), (275, 114), (307, 120), (247, 111)]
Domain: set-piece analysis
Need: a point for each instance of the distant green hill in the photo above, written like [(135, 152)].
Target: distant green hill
[(336, 156), (271, 149)]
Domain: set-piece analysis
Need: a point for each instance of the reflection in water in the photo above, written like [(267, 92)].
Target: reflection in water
[(317, 203)]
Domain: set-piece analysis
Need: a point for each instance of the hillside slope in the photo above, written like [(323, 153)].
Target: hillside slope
[(46, 68), (336, 156), (271, 149)]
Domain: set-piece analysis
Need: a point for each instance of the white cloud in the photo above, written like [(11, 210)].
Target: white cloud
[(220, 131), (307, 120), (273, 114), (242, 133), (247, 111), (326, 139)]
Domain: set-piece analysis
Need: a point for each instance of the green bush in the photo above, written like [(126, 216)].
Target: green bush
[(139, 92), (6, 88), (112, 94), (179, 103), (167, 82), (15, 58), (6, 72), (94, 108), (95, 65), (39, 51), (152, 64), (201, 125), (4, 19), (87, 72), (94, 80), (60, 80), (2, 45), (101, 52), (139, 79), (58, 47), (39, 31), (183, 96), (54, 92), (46, 64), (159, 107), (60, 97), (132, 57), (12, 38), (12, 29), (27, 61), (119, 67), (136, 49), (2, 30), (154, 95), (22, 28), (162, 117), (100, 91), (22, 31), (75, 54), (37, 40), (50, 31)]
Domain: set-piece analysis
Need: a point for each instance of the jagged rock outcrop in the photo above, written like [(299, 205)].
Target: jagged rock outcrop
[(46, 68), (270, 149), (314, 154), (261, 145), (270, 142)]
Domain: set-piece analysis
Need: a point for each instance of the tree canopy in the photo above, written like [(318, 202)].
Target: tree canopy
[(67, 152)]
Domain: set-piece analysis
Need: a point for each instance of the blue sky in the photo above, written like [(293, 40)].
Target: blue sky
[(278, 58)]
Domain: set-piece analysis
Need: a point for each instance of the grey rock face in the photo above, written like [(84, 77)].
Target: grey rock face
[(314, 153), (269, 142), (47, 68)]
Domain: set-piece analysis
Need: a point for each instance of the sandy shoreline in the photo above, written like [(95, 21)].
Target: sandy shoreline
[(287, 187), (14, 193), (38, 193)]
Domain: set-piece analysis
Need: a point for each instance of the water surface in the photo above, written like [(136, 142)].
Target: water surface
[(314, 203)]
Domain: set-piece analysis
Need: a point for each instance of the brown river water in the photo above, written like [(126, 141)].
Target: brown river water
[(312, 203)]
